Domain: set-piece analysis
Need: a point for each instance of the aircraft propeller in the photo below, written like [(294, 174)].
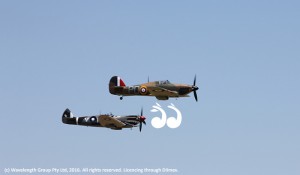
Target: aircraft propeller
[(195, 88), (142, 120)]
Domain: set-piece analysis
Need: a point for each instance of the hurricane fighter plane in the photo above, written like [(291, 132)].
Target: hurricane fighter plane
[(107, 120), (162, 90)]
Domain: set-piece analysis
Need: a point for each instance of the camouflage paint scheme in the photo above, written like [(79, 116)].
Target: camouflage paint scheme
[(162, 90), (105, 120)]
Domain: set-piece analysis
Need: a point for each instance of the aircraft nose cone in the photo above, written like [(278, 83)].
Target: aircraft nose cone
[(195, 88), (142, 118)]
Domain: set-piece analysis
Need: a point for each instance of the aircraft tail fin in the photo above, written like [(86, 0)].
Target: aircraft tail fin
[(67, 113), (116, 84), (68, 117), (116, 81)]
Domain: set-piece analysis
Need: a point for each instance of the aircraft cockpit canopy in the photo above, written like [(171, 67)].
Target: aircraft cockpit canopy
[(164, 82)]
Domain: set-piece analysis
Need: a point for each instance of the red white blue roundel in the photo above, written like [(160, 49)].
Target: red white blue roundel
[(143, 90)]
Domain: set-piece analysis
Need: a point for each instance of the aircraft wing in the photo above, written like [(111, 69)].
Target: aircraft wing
[(109, 121), (158, 91)]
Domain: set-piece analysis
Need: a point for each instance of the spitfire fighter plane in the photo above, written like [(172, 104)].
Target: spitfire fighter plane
[(109, 121), (162, 90)]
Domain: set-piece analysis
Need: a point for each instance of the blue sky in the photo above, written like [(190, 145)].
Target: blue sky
[(59, 54)]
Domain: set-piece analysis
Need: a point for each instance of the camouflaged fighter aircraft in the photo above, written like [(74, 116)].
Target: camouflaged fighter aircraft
[(108, 120), (162, 90)]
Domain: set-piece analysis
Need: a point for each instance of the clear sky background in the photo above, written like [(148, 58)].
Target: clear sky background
[(59, 54)]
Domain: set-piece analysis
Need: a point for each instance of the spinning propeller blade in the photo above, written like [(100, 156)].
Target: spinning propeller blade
[(142, 120), (195, 88)]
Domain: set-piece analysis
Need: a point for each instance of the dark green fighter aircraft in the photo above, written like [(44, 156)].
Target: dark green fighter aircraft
[(162, 90), (105, 120)]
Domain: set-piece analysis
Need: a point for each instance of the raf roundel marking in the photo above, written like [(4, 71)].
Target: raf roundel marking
[(93, 119), (143, 90)]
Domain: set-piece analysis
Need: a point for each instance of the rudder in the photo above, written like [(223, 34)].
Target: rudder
[(68, 118), (115, 81)]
